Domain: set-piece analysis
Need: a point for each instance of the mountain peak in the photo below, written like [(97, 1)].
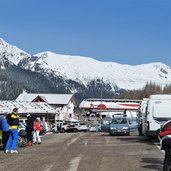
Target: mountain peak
[(12, 53), (2, 42)]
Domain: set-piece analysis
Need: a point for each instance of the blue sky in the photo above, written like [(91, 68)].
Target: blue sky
[(123, 31)]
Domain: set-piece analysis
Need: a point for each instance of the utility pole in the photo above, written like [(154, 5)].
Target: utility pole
[(101, 96)]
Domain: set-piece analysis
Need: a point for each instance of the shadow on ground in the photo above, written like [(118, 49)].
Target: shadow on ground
[(152, 163)]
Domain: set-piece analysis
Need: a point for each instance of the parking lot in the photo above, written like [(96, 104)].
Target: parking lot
[(92, 151)]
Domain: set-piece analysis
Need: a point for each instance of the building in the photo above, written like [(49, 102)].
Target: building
[(64, 104), (38, 109), (106, 108)]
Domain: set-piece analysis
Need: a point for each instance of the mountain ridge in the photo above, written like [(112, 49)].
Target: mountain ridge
[(83, 76), (85, 69)]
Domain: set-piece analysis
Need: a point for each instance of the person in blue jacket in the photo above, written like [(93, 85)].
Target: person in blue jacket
[(5, 130)]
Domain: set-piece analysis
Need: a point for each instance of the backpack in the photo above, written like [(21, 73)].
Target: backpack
[(8, 117)]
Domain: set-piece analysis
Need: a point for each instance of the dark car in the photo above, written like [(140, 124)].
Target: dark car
[(119, 125)]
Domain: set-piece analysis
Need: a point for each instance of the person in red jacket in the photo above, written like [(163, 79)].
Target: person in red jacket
[(37, 127)]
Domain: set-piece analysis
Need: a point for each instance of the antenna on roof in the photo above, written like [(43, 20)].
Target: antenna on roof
[(24, 91), (24, 95)]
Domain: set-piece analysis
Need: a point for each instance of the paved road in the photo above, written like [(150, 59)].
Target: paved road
[(86, 152)]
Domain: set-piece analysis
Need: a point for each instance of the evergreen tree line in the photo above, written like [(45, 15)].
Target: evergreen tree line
[(146, 91)]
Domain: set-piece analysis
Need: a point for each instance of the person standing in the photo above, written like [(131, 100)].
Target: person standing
[(37, 127), (5, 130), (29, 129), (140, 128), (13, 121)]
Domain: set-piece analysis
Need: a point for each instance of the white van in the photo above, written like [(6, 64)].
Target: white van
[(157, 113), (142, 118)]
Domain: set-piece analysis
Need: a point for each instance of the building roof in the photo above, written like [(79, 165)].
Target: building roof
[(61, 99), (26, 107)]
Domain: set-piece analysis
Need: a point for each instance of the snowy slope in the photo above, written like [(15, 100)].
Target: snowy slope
[(85, 69), (12, 53)]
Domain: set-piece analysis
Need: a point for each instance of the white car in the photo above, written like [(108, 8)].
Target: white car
[(82, 127), (21, 126), (92, 128)]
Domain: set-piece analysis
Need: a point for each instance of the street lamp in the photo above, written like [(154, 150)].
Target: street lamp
[(101, 96)]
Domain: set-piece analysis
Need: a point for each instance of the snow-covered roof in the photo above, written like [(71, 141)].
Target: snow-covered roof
[(49, 98), (26, 107)]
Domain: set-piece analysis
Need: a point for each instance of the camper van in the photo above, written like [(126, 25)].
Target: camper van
[(142, 118), (158, 111)]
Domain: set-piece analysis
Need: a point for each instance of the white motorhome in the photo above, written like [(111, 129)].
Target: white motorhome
[(157, 113), (142, 119)]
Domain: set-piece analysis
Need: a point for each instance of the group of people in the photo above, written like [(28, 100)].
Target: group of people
[(33, 130), (9, 124)]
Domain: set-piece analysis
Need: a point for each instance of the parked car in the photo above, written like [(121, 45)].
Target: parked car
[(22, 138), (76, 123), (165, 129), (92, 128), (21, 126), (57, 127), (83, 127), (98, 127), (105, 125), (64, 126), (54, 128), (119, 125), (23, 120), (133, 125), (68, 127)]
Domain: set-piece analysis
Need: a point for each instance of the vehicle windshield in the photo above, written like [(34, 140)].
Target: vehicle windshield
[(92, 125), (82, 124), (21, 125), (119, 121)]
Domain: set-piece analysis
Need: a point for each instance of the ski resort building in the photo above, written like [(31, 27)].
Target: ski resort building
[(63, 104)]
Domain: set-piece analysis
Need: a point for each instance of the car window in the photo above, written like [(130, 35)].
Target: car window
[(168, 124), (92, 125), (119, 121)]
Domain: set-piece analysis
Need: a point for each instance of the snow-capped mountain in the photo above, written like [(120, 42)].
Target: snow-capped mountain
[(12, 53), (85, 69), (83, 75)]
